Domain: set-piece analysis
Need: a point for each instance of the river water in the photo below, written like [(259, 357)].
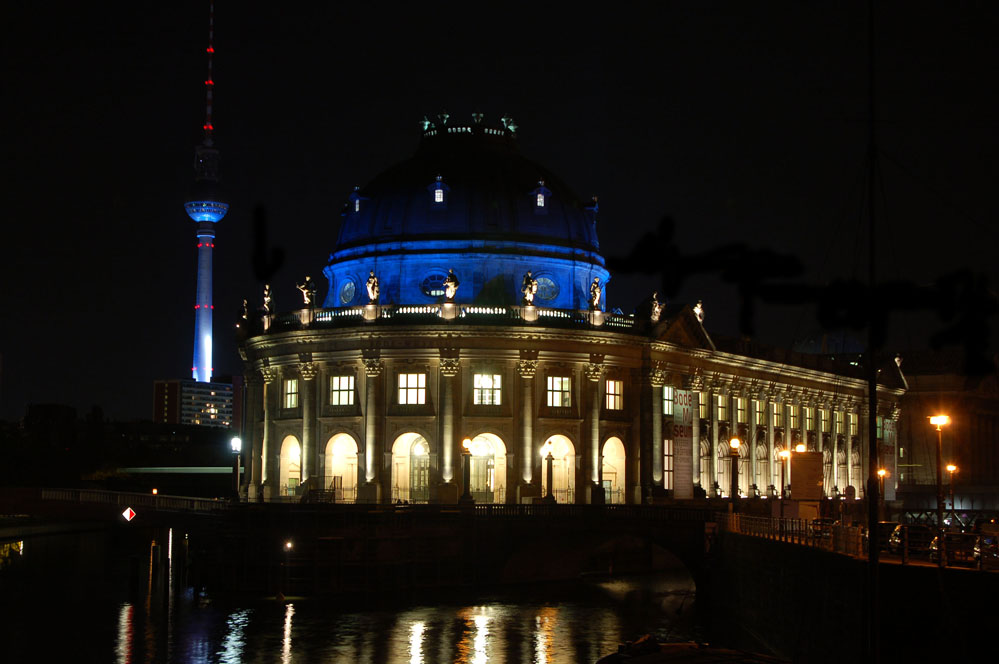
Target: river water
[(91, 597)]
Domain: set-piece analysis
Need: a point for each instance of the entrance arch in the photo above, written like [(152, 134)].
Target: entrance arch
[(411, 468), (487, 472), (613, 475), (563, 468), (341, 468), (290, 469)]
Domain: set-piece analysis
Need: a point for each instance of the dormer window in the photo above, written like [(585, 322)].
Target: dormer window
[(438, 194), (354, 201), (542, 196)]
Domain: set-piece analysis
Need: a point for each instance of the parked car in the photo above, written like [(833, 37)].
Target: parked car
[(919, 535), (960, 548)]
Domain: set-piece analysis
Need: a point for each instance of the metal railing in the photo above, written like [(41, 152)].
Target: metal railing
[(848, 540), (124, 499)]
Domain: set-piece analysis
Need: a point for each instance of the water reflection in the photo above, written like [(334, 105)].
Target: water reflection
[(150, 616)]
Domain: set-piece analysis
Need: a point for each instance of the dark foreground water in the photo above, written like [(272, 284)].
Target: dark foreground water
[(91, 597)]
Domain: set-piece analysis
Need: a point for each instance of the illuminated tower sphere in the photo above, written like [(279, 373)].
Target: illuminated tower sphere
[(206, 207)]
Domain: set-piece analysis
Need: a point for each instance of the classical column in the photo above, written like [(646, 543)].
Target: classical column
[(593, 372), (863, 426), (714, 490), (448, 370), (309, 371), (774, 479), (270, 449), (371, 490), (527, 368), (834, 427), (751, 431), (848, 440), (694, 384), (253, 457), (657, 378)]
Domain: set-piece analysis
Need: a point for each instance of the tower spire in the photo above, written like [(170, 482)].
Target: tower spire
[(210, 81), (206, 206)]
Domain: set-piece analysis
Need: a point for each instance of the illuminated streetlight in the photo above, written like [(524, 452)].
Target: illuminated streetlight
[(940, 421), (466, 471), (785, 455), (734, 445), (236, 444), (951, 468), (546, 454), (799, 448)]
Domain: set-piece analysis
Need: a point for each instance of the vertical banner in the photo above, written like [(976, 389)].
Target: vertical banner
[(684, 405)]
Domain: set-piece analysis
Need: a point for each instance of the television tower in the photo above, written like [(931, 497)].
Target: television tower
[(205, 206)]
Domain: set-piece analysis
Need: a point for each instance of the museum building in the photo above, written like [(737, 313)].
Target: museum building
[(464, 351)]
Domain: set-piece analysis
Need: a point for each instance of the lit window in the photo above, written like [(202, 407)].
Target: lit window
[(615, 400), (823, 420), (793, 415), (357, 205), (487, 389), (702, 405), (291, 393), (809, 419), (740, 410), (778, 414), (761, 413), (341, 390), (413, 388), (853, 423), (839, 422), (668, 464), (558, 392), (667, 401), (438, 195), (541, 200), (722, 407), (881, 427)]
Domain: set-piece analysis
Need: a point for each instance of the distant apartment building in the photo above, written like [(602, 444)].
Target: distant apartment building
[(187, 401)]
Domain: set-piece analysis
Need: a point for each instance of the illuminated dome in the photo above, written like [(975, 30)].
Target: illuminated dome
[(467, 201)]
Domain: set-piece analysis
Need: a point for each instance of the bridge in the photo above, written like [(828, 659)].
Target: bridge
[(761, 583)]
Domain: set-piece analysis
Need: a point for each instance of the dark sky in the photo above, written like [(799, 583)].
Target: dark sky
[(746, 122)]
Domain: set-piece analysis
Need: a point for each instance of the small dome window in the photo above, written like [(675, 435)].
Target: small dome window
[(433, 284), (347, 291), (547, 288), (438, 194), (542, 197), (354, 201)]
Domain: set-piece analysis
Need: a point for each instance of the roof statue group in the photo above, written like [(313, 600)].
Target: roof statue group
[(528, 288)]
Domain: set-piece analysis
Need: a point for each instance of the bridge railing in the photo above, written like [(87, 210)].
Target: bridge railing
[(848, 540), (124, 499)]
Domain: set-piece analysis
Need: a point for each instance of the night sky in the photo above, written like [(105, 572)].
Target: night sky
[(744, 122)]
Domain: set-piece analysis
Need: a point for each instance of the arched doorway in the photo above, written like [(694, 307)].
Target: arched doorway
[(487, 470), (613, 475), (341, 468), (563, 468), (706, 465), (411, 468), (290, 470)]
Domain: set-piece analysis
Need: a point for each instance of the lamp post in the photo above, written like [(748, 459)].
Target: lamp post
[(881, 491), (951, 468), (466, 471), (546, 453), (940, 421), (784, 456), (237, 446), (734, 446)]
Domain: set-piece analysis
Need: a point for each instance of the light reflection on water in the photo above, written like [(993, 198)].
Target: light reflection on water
[(554, 624)]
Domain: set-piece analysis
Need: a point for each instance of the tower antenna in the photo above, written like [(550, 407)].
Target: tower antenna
[(210, 81)]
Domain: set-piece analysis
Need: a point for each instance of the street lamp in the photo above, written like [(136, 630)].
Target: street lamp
[(546, 454), (784, 456), (466, 471), (734, 445), (881, 490), (940, 421), (237, 446), (951, 468)]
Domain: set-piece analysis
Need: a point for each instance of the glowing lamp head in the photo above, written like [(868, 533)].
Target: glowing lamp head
[(940, 421), (799, 448), (237, 444), (546, 449), (951, 468), (882, 472), (288, 545), (734, 444), (155, 491), (784, 454), (467, 444)]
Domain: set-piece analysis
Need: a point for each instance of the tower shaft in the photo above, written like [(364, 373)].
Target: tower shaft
[(202, 367)]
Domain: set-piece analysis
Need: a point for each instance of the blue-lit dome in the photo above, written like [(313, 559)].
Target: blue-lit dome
[(467, 201)]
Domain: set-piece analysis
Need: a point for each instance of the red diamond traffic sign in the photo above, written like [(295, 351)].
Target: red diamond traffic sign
[(129, 514)]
